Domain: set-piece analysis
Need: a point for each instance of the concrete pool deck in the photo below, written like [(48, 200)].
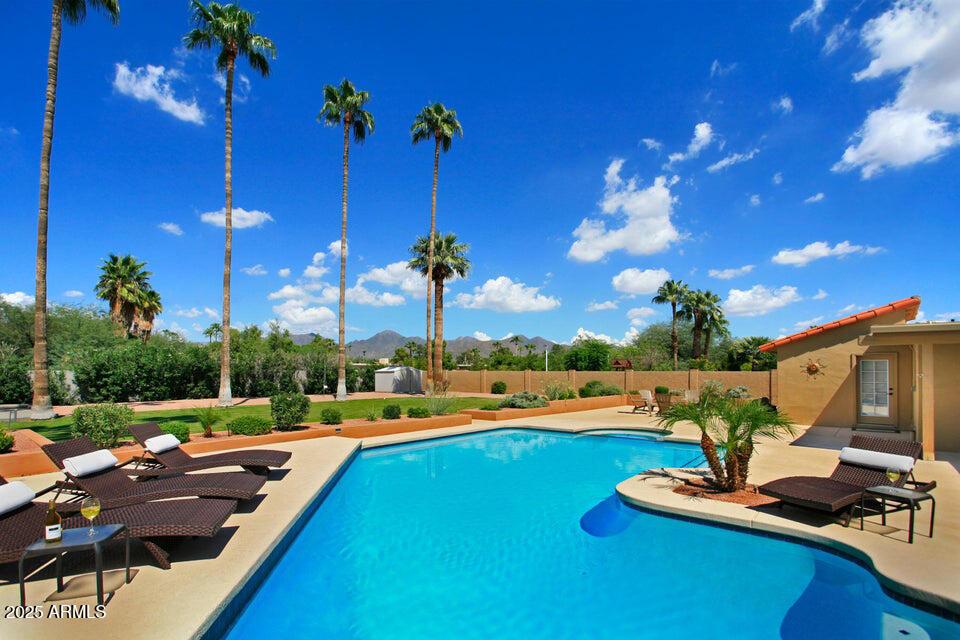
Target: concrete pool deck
[(181, 602)]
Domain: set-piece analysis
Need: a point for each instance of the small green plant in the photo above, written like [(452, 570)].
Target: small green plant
[(372, 416), (418, 412), (440, 404), (177, 428), (662, 390), (595, 388), (556, 390), (6, 440), (490, 406), (524, 400), (739, 392), (289, 410), (498, 387), (105, 424), (331, 416), (250, 426), (207, 417), (392, 412)]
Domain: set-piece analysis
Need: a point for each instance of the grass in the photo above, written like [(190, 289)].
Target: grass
[(59, 428)]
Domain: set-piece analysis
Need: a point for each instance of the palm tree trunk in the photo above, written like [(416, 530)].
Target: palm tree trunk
[(674, 339), (438, 333), (697, 332), (226, 396), (342, 345), (706, 341), (433, 231), (709, 449), (42, 408), (744, 453)]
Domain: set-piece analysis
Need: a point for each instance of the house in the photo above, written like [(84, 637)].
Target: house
[(872, 370)]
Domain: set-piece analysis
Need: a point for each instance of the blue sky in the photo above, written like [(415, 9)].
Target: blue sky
[(795, 158)]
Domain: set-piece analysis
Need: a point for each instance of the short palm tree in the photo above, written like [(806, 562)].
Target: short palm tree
[(213, 332), (147, 309), (449, 259), (672, 292), (74, 11), (345, 105), (434, 122), (231, 28), (123, 281)]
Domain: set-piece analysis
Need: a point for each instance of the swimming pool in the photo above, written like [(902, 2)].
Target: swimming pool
[(518, 534)]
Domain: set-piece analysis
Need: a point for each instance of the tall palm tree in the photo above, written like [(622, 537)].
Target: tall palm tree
[(449, 259), (229, 27), (434, 122), (123, 281), (693, 308), (147, 308), (345, 105), (515, 341), (714, 321), (75, 11), (672, 292)]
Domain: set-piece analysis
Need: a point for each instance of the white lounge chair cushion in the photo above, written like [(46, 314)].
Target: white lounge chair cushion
[(876, 459), (88, 463), (159, 444), (14, 495)]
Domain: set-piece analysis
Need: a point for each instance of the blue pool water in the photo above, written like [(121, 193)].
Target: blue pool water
[(518, 534)]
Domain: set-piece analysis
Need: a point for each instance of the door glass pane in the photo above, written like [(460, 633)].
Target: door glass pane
[(874, 387)]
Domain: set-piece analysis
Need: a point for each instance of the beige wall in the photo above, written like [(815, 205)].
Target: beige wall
[(946, 378)]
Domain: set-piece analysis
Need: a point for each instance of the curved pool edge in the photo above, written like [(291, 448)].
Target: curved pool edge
[(654, 494)]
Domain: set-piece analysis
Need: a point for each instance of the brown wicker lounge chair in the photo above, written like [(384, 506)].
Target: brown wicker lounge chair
[(842, 490), (116, 489), (172, 518), (254, 460)]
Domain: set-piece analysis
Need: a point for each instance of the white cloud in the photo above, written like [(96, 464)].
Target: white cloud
[(921, 38), (784, 105), (811, 16), (196, 326), (838, 36), (652, 144), (634, 281), (717, 69), (638, 315), (601, 306), (288, 292), (313, 271), (358, 294), (849, 309), (73, 293), (755, 200), (817, 197), (284, 273), (759, 300), (777, 178), (396, 274), (152, 84), (507, 336), (175, 328), (211, 313), (171, 227), (241, 86), (702, 137), (801, 325), (299, 317), (9, 131), (18, 298), (647, 228), (948, 316), (818, 250), (242, 219), (255, 270), (732, 159), (730, 274), (334, 249), (506, 296), (192, 312), (820, 295), (481, 336), (585, 334)]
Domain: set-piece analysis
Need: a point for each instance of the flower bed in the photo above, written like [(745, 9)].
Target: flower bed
[(553, 407)]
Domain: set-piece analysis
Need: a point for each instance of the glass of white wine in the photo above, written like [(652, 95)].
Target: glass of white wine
[(893, 475), (90, 509)]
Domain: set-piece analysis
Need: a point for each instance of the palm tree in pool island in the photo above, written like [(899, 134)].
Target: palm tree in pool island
[(673, 292), (74, 11), (449, 259), (434, 122), (231, 28), (344, 105)]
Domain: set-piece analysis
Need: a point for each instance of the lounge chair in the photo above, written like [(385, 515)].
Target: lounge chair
[(176, 459), (117, 489), (840, 492), (173, 518), (642, 401)]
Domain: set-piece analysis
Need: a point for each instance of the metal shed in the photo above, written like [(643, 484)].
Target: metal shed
[(398, 380)]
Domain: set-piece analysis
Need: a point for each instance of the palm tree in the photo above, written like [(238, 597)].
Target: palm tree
[(230, 27), (75, 11), (344, 105), (714, 321), (673, 292), (123, 281), (411, 346), (449, 259), (515, 341), (147, 308), (214, 331), (440, 124)]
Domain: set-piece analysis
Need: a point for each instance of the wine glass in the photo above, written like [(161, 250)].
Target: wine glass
[(893, 475), (90, 509)]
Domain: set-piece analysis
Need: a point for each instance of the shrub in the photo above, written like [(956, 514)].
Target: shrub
[(418, 412), (177, 428), (440, 404), (595, 388), (102, 423), (524, 400), (371, 416), (289, 410), (498, 387), (739, 392), (331, 416), (556, 390), (250, 426), (392, 412), (207, 417), (490, 406), (14, 381), (662, 390), (6, 440)]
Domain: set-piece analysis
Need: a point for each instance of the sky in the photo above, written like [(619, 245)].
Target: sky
[(796, 159)]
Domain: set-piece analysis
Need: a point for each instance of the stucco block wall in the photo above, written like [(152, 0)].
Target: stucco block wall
[(946, 381)]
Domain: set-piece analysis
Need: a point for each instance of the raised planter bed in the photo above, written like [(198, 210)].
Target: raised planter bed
[(553, 407)]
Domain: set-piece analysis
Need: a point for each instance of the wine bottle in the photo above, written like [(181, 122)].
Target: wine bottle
[(52, 529)]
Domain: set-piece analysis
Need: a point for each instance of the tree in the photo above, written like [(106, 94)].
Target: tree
[(588, 354), (693, 308), (672, 292), (515, 341), (147, 308), (230, 27), (123, 282), (745, 355), (440, 124), (75, 11), (213, 332), (714, 321), (345, 105), (449, 260)]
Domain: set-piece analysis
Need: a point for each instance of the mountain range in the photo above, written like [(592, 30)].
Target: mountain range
[(385, 343)]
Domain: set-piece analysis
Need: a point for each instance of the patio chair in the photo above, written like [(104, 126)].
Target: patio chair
[(116, 489), (642, 401), (258, 461), (197, 517), (840, 492)]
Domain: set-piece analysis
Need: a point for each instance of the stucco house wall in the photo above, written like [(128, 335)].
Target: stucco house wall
[(946, 367)]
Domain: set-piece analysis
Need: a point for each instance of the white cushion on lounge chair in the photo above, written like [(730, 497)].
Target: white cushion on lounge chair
[(876, 459), (159, 444), (88, 463), (14, 495)]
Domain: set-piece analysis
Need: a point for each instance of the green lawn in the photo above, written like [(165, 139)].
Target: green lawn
[(59, 428)]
